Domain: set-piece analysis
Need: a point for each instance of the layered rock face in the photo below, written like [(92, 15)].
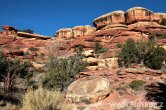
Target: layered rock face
[(64, 33), (137, 14), (135, 23), (133, 15), (75, 32), (116, 17), (8, 34)]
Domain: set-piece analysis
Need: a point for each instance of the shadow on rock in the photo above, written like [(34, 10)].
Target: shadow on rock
[(157, 92)]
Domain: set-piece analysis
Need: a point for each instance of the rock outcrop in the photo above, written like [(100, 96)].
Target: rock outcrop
[(90, 89), (116, 17), (137, 14), (132, 15), (135, 23), (74, 32)]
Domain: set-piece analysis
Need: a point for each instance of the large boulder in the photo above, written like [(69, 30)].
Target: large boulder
[(116, 17), (137, 14), (88, 89)]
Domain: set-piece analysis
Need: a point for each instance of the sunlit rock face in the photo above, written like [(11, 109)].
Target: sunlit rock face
[(64, 33), (131, 16), (116, 17), (137, 14), (74, 32)]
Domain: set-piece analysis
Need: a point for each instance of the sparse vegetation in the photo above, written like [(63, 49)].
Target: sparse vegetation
[(42, 55), (155, 57), (61, 71), (99, 48), (119, 45), (11, 69), (42, 99), (163, 22), (142, 52), (34, 49), (18, 47), (137, 84), (129, 54), (27, 31)]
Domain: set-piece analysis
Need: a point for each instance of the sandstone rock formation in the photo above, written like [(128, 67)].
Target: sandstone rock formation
[(116, 17), (90, 89), (74, 32), (132, 15), (137, 14), (64, 33), (135, 23)]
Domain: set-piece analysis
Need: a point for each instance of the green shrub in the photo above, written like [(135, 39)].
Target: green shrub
[(33, 49), (163, 22), (154, 37), (142, 52), (18, 47), (99, 48), (137, 84), (61, 71), (42, 99), (163, 69), (129, 54), (119, 45), (27, 31), (25, 54), (155, 57), (42, 55), (11, 69)]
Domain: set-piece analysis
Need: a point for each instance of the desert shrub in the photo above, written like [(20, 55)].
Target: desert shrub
[(11, 69), (163, 69), (18, 47), (155, 57), (61, 71), (122, 88), (79, 49), (53, 49), (119, 45), (137, 84), (99, 48), (163, 22), (42, 55), (157, 36), (25, 54), (129, 54), (42, 99), (27, 31), (142, 52), (33, 49), (68, 107)]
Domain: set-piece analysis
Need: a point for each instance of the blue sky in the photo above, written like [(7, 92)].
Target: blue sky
[(47, 16)]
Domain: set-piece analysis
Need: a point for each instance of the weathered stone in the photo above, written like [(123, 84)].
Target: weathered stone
[(137, 14), (88, 53), (92, 68), (74, 32), (90, 89), (116, 17)]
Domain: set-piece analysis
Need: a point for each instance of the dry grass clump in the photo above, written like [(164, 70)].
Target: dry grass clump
[(42, 99)]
